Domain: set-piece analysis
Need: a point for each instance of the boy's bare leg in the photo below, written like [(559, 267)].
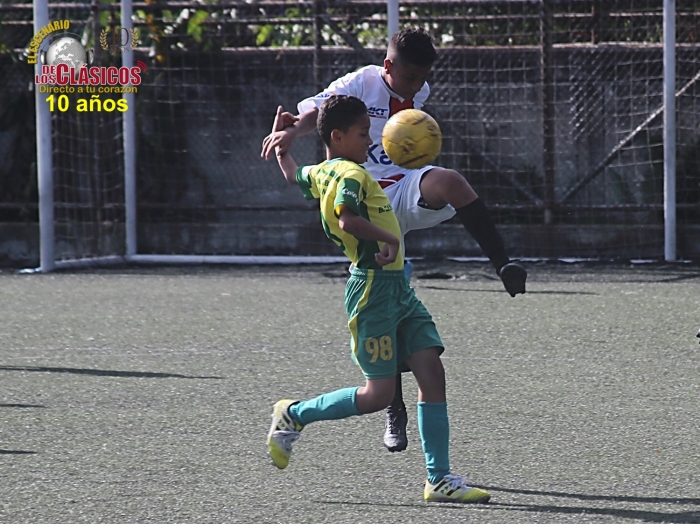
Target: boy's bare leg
[(375, 395), (433, 423), (395, 435), (290, 416), (440, 187)]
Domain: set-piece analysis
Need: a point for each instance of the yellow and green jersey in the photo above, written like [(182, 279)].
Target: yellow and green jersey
[(338, 183)]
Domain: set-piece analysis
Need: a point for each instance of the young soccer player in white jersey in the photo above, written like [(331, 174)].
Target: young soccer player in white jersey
[(387, 322), (422, 197)]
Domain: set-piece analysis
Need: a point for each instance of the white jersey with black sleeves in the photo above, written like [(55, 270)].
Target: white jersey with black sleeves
[(368, 85)]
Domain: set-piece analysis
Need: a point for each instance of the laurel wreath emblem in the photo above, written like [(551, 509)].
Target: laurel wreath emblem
[(114, 49), (134, 38), (103, 39)]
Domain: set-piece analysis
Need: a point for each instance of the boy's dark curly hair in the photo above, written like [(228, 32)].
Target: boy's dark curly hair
[(338, 112), (413, 45)]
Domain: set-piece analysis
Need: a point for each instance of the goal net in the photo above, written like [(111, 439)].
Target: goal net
[(551, 109)]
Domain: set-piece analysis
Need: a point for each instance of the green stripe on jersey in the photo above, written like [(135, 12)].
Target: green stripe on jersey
[(339, 182)]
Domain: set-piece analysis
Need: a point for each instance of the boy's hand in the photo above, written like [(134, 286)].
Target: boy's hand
[(387, 254), (283, 120), (281, 136)]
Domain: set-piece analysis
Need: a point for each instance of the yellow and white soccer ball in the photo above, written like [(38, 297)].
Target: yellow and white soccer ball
[(411, 138)]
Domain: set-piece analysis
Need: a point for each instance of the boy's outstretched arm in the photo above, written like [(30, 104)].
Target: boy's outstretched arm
[(290, 127), (288, 167), (362, 228), (284, 159)]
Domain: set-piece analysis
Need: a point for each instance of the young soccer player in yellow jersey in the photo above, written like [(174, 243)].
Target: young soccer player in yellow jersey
[(388, 324), (421, 198)]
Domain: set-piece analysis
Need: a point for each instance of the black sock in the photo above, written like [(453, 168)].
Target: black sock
[(397, 402), (475, 217)]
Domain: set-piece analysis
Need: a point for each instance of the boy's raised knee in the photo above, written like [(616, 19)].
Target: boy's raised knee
[(376, 395), (441, 186)]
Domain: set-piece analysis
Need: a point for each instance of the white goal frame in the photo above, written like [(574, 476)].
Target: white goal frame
[(47, 246)]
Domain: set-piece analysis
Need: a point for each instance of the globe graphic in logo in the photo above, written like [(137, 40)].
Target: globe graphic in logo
[(66, 50)]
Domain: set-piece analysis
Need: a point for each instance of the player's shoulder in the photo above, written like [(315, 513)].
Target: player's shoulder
[(345, 166), (421, 96), (364, 73), (372, 70), (348, 169)]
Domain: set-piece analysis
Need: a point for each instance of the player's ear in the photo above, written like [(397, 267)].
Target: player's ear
[(387, 65), (336, 136)]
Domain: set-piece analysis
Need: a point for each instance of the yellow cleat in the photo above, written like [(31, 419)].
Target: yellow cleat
[(283, 433), (452, 488)]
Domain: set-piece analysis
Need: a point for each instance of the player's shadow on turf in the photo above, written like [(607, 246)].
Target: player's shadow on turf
[(678, 278), (683, 517), (501, 291), (581, 496), (101, 372)]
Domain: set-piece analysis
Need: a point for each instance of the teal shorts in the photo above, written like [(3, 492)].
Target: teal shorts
[(387, 321)]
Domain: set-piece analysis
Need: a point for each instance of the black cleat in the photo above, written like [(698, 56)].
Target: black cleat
[(395, 438), (513, 276)]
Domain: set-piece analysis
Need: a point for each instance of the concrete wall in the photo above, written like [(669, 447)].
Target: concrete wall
[(487, 100)]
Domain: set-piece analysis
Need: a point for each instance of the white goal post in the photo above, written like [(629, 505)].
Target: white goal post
[(48, 258), (669, 130)]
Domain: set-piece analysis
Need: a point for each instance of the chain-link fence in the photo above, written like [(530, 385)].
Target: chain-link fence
[(552, 110)]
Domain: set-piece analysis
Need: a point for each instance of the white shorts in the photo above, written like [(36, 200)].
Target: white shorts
[(403, 190)]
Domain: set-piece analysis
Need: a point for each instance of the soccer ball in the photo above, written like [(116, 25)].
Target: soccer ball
[(411, 138)]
